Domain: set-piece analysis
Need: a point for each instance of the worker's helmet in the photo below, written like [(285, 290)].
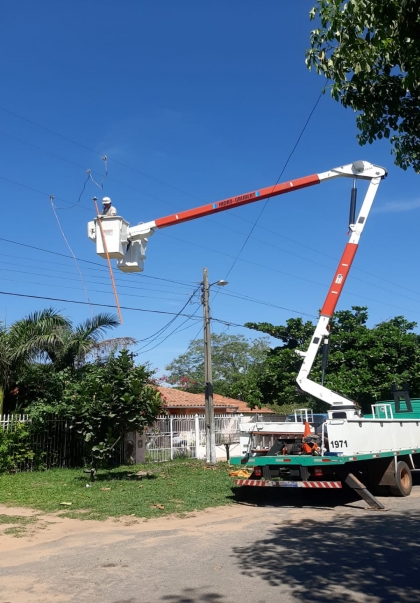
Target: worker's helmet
[(106, 201)]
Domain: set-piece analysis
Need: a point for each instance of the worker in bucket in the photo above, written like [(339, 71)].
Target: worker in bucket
[(107, 208)]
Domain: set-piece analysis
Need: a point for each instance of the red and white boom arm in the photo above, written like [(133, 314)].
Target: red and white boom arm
[(375, 175), (137, 236)]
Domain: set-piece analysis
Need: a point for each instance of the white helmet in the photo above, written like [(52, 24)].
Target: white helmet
[(106, 201)]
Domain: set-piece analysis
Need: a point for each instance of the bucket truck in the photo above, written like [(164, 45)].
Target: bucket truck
[(378, 448)]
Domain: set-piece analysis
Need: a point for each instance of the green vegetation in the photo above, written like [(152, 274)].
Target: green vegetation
[(179, 487), (369, 51), (16, 448), (20, 525), (363, 362), (36, 348), (49, 367), (235, 360), (104, 400)]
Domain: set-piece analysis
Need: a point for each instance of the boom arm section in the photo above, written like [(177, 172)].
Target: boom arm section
[(128, 245), (333, 295)]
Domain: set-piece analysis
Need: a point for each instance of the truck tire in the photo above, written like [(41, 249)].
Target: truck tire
[(403, 480)]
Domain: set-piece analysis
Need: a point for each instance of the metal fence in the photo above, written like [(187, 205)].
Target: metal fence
[(9, 421), (185, 436), (53, 444)]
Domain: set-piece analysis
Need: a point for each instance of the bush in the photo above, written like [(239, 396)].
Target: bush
[(16, 448)]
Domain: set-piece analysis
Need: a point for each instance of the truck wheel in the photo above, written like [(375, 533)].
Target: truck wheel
[(403, 480)]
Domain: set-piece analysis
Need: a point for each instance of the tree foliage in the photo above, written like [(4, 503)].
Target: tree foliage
[(102, 401), (235, 362), (370, 51), (46, 342), (363, 362)]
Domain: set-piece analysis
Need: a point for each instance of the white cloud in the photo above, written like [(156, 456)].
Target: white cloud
[(397, 206)]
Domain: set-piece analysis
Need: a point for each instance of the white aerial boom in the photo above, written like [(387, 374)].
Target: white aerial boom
[(117, 240)]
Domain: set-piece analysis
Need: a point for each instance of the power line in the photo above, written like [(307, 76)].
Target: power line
[(184, 192), (68, 278), (83, 146), (35, 190), (187, 284), (83, 303), (139, 286), (278, 180), (301, 278), (264, 303), (183, 283), (153, 339), (59, 286), (218, 251)]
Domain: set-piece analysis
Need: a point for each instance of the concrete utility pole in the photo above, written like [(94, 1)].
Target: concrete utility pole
[(208, 371)]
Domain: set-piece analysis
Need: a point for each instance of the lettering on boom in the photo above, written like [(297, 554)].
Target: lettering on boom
[(237, 199), (225, 203)]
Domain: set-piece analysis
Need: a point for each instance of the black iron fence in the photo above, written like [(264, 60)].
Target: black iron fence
[(28, 445)]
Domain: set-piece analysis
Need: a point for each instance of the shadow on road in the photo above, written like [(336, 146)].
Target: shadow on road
[(188, 595), (374, 558), (194, 595), (295, 497)]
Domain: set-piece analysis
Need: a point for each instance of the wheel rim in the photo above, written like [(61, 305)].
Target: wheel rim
[(405, 478)]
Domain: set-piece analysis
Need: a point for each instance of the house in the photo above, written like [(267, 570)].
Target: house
[(179, 402), (183, 431)]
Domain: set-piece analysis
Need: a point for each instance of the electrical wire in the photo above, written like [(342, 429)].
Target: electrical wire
[(215, 221), (184, 283), (278, 180), (264, 303), (68, 278), (162, 340), (59, 286), (154, 336), (100, 186), (71, 251), (301, 278), (218, 251), (255, 223), (83, 303), (35, 190), (93, 151)]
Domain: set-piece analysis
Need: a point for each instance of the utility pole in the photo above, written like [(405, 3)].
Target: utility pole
[(208, 374)]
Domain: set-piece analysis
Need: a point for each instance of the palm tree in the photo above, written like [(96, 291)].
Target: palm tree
[(24, 342), (50, 338), (86, 339)]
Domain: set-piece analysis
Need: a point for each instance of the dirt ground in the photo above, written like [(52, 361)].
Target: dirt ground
[(308, 546)]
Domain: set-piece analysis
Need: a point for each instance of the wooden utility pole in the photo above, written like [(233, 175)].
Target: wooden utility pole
[(208, 374)]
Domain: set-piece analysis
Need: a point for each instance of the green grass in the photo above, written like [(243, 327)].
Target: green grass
[(20, 525), (180, 486)]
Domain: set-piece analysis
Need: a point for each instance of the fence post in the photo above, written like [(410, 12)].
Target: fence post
[(197, 436), (171, 436)]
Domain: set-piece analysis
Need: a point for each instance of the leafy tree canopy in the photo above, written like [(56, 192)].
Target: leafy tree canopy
[(235, 361), (103, 401), (370, 51), (363, 362)]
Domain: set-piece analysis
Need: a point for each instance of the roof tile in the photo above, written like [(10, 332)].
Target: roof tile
[(176, 398)]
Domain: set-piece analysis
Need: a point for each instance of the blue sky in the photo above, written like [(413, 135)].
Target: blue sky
[(191, 102)]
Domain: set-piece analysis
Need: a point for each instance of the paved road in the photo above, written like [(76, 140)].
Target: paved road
[(310, 547)]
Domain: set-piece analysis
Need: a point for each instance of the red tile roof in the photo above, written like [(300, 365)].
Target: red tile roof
[(176, 398)]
